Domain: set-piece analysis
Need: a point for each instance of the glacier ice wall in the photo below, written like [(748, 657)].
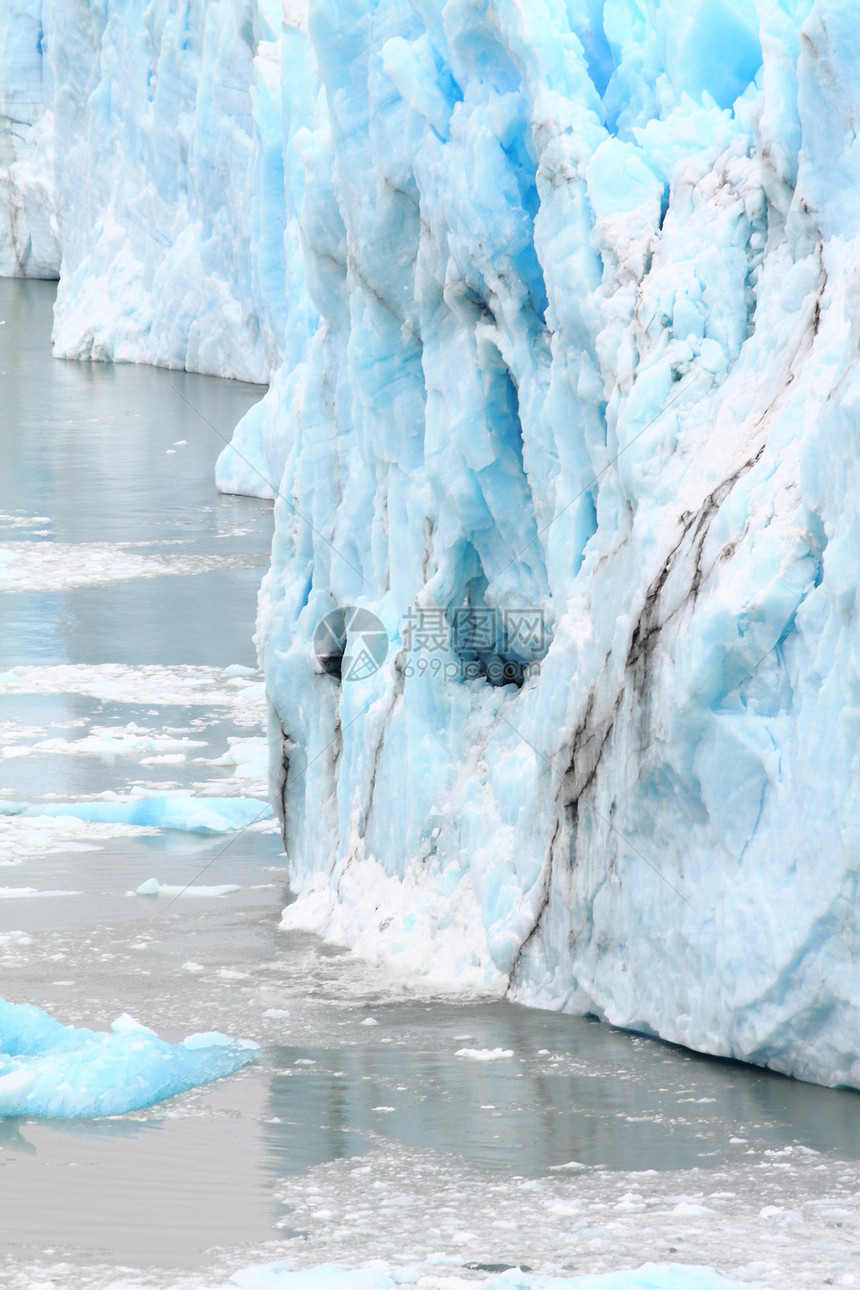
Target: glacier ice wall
[(166, 183), (29, 245), (558, 301)]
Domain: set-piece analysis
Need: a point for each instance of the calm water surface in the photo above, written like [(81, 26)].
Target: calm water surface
[(99, 464)]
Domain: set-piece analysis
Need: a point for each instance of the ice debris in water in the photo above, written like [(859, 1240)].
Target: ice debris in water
[(47, 1068), (652, 1276), (484, 1054)]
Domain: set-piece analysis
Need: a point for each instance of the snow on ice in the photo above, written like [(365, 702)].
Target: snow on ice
[(557, 302)]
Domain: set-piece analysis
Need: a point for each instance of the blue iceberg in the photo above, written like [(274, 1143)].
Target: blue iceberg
[(178, 811), (50, 1069)]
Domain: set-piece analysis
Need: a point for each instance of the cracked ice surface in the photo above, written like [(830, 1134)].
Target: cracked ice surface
[(558, 305)]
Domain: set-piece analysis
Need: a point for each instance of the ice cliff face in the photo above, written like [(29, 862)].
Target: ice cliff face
[(28, 230), (168, 196), (560, 306)]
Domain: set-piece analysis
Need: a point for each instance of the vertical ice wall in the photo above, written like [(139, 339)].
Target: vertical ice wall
[(28, 233), (158, 161), (588, 347), (559, 302)]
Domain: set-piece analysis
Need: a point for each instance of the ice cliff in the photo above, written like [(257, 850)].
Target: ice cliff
[(558, 299), (29, 245)]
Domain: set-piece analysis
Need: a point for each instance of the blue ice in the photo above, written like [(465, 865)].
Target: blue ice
[(557, 302), (179, 811), (50, 1069)]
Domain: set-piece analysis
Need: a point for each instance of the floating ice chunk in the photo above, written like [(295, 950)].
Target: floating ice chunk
[(19, 893), (485, 1054), (61, 566), (176, 811), (149, 684), (105, 742), (47, 1068), (250, 757), (152, 887), (214, 1039)]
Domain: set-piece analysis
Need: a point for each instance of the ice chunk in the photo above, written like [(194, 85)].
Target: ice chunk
[(47, 1068), (18, 893), (176, 811), (152, 887), (484, 1054), (248, 756)]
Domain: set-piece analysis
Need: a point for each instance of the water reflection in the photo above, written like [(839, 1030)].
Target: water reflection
[(157, 1191), (202, 1170), (629, 1103)]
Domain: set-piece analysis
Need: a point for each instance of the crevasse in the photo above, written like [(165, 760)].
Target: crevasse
[(558, 306)]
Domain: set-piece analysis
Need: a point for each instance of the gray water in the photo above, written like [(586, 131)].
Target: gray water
[(89, 455)]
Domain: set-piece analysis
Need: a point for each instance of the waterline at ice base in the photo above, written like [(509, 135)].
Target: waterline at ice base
[(557, 302)]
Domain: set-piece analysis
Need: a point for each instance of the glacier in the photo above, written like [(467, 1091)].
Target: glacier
[(29, 236), (47, 1068), (555, 301)]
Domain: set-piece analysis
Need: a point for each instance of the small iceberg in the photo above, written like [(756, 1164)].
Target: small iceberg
[(47, 1068), (174, 811), (152, 887)]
